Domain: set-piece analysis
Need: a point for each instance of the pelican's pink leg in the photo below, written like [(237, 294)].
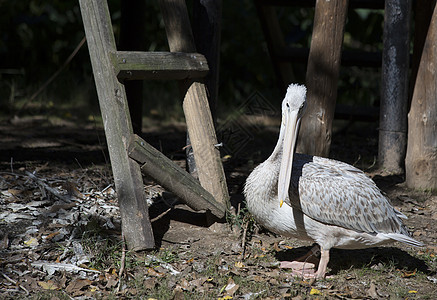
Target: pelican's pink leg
[(323, 264), (301, 266)]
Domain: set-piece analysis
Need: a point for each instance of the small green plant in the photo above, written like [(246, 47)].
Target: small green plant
[(241, 219)]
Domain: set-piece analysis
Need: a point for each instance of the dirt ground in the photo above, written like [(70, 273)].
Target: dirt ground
[(60, 234)]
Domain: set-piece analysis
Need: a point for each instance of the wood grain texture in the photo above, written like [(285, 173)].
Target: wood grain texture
[(394, 86), (172, 177), (118, 128), (131, 65), (421, 159), (196, 108), (322, 77)]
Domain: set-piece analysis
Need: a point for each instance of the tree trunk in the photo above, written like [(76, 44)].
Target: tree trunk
[(394, 88), (322, 77), (421, 161)]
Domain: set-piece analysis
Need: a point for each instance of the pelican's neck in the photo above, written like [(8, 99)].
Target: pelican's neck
[(276, 155), (262, 183)]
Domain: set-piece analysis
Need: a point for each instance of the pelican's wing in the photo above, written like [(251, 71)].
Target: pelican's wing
[(339, 194)]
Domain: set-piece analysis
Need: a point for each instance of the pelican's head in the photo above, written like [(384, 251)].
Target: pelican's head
[(293, 107)]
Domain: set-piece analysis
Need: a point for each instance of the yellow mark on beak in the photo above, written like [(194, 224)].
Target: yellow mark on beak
[(281, 202)]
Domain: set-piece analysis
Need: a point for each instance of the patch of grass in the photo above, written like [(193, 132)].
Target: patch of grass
[(49, 295), (105, 250)]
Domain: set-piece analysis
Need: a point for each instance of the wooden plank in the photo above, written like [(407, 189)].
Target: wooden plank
[(421, 160), (159, 65), (172, 177), (136, 225), (207, 31), (322, 77), (196, 108), (394, 86)]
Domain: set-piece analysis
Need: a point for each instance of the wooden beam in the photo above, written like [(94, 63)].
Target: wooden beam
[(196, 107), (135, 221), (394, 86), (421, 159), (171, 177), (322, 77), (159, 65)]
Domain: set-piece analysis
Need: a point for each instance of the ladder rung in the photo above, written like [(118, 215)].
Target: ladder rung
[(130, 65)]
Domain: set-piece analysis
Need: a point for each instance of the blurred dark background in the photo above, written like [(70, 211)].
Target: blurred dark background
[(38, 36)]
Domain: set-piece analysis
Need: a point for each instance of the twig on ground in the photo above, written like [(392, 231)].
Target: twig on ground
[(243, 242), (163, 264), (160, 215), (122, 262), (46, 187), (16, 283)]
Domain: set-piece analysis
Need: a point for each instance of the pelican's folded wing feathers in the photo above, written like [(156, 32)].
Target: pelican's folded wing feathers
[(336, 193)]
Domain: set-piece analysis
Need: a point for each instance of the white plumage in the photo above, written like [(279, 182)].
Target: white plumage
[(326, 201)]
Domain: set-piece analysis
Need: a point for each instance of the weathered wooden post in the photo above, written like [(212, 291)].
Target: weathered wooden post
[(195, 104), (322, 77), (118, 127), (207, 31), (394, 87), (421, 160)]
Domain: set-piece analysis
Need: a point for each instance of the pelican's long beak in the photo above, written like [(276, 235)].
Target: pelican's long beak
[(291, 127)]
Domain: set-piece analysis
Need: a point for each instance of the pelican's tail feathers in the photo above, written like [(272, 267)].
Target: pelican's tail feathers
[(404, 239)]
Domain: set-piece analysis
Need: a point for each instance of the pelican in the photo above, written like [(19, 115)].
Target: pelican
[(318, 199)]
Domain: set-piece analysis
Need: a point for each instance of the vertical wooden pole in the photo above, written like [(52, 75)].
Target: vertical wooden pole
[(207, 31), (128, 180), (275, 43), (394, 87), (322, 77), (196, 108), (421, 160), (133, 38)]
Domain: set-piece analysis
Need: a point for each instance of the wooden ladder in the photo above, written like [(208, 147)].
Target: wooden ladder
[(128, 151)]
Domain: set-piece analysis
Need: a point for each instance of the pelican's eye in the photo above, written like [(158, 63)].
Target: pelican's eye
[(302, 108)]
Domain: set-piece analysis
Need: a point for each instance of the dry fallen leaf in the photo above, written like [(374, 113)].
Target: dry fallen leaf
[(77, 285), (239, 264), (315, 292), (371, 292), (52, 235), (48, 285), (406, 274), (32, 242), (152, 272), (231, 287), (276, 247), (149, 283)]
